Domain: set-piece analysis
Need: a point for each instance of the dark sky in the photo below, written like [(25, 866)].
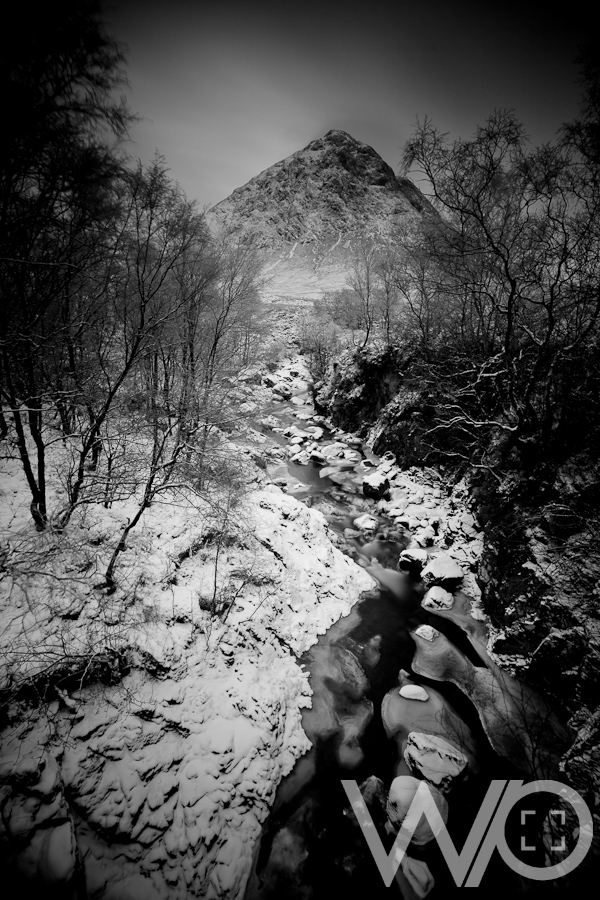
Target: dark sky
[(228, 87)]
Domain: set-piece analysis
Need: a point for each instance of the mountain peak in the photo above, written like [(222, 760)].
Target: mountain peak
[(336, 134), (339, 147), (335, 185)]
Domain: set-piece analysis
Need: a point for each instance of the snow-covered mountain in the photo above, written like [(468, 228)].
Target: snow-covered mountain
[(307, 212)]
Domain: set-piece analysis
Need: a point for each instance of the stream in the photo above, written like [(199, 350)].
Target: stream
[(311, 845)]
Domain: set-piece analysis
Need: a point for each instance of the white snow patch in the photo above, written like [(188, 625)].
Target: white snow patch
[(427, 632), (413, 692)]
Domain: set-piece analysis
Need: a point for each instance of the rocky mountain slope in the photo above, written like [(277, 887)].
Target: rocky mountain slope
[(307, 212)]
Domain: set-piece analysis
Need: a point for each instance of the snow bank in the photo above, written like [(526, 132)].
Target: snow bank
[(172, 774)]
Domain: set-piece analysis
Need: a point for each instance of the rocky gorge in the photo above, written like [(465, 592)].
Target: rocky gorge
[(158, 784), (337, 609), (519, 726)]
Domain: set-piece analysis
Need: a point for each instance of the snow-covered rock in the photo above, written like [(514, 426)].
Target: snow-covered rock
[(376, 484), (294, 432), (164, 780), (334, 450), (437, 598), (302, 458), (282, 390), (424, 536), (366, 522), (414, 692), (414, 558), (442, 569), (435, 759), (427, 632)]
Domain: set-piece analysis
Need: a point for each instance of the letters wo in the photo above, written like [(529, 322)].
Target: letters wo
[(486, 833)]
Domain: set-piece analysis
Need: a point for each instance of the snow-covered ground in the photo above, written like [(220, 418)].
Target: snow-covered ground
[(156, 786), (165, 778)]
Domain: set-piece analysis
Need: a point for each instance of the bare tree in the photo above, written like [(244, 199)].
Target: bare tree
[(319, 341), (515, 253), (388, 295), (157, 226), (363, 284), (57, 170)]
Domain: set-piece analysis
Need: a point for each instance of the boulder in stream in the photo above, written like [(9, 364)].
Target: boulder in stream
[(326, 471), (427, 633), (463, 611), (411, 710), (520, 725), (400, 796), (269, 422), (442, 570), (435, 759), (282, 390), (437, 598), (424, 536), (366, 523), (376, 485), (413, 559), (335, 450), (302, 458)]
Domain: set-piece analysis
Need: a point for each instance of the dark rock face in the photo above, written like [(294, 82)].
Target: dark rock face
[(568, 663), (560, 520), (360, 387), (379, 493), (582, 769), (372, 390)]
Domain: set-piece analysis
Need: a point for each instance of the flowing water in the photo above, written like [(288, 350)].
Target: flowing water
[(311, 846)]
